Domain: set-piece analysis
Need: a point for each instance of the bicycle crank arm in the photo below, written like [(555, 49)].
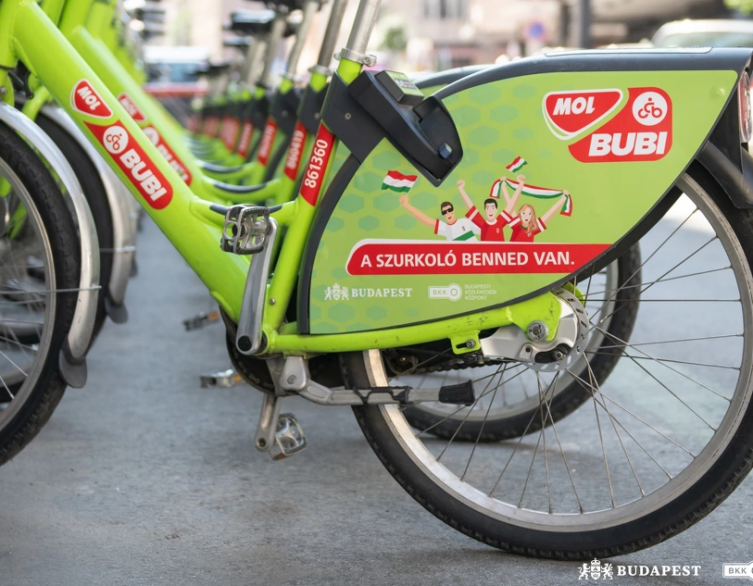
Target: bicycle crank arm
[(295, 379)]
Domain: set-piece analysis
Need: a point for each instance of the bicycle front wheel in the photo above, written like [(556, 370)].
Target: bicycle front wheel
[(655, 448), (39, 272)]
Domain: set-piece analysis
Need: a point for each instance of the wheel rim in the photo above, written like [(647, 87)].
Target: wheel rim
[(21, 363), (590, 492)]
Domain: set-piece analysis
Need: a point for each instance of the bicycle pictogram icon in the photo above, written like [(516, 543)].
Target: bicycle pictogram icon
[(115, 139), (650, 108)]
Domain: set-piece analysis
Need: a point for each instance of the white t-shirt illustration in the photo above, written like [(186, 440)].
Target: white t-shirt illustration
[(463, 230)]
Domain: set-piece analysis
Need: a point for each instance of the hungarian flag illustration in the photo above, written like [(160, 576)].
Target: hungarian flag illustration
[(396, 181), (516, 165), (537, 192)]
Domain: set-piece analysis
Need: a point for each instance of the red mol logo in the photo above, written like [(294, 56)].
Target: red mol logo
[(570, 113), (85, 99), (641, 131), (130, 106)]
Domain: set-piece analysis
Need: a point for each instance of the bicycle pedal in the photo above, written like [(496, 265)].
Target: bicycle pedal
[(223, 379), (245, 230), (289, 437), (200, 320)]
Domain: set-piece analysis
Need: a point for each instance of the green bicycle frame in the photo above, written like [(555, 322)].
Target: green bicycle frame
[(190, 223), (81, 32)]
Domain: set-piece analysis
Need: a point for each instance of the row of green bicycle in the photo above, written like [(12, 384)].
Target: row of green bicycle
[(531, 282)]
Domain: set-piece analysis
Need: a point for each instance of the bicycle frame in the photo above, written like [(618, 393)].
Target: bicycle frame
[(192, 224), (151, 117)]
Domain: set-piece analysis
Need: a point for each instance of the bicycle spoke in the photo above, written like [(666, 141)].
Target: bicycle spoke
[(618, 422), (522, 435), (530, 468), (420, 433), (601, 439), (15, 342), (617, 433), (638, 285), (546, 458), (650, 256), (634, 344), (671, 360), (481, 432), (691, 255), (470, 410), (636, 417), (564, 458)]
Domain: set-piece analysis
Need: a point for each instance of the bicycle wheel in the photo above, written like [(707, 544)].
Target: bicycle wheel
[(654, 449), (30, 381), (509, 414)]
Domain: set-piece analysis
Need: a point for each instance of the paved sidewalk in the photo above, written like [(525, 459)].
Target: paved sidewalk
[(143, 478)]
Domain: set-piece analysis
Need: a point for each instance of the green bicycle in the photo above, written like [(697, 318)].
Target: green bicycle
[(616, 148), (507, 422)]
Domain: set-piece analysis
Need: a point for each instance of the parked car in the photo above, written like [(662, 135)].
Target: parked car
[(705, 33)]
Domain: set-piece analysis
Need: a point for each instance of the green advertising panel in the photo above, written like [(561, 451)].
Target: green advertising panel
[(556, 168)]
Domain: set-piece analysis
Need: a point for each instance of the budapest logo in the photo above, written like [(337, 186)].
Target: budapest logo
[(640, 131), (570, 113), (596, 571), (85, 99)]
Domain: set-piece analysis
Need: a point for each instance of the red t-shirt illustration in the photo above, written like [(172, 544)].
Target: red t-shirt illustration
[(490, 232), (520, 235)]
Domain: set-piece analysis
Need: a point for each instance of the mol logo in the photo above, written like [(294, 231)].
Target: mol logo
[(85, 99), (570, 113), (130, 106), (640, 131)]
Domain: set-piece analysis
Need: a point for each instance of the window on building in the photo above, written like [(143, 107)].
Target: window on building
[(445, 9)]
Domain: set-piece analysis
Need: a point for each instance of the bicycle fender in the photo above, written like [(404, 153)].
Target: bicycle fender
[(124, 234), (599, 139), (72, 359)]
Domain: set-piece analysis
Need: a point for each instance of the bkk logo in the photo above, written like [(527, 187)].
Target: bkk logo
[(453, 292), (141, 171), (85, 99), (640, 131)]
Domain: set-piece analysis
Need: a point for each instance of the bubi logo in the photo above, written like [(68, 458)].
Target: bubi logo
[(570, 113), (85, 99), (640, 131), (135, 163), (168, 153)]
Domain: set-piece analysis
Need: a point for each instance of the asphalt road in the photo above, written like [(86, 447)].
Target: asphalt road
[(145, 478)]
